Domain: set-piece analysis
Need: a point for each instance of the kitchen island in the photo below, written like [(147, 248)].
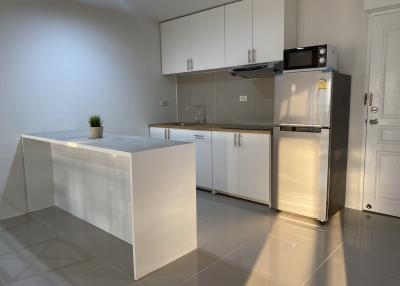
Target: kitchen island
[(131, 187)]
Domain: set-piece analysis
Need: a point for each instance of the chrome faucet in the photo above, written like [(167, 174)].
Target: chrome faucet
[(199, 113)]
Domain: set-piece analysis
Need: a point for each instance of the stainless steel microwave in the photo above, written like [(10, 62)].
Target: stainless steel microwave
[(319, 57)]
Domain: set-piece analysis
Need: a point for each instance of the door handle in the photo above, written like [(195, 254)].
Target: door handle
[(374, 121)]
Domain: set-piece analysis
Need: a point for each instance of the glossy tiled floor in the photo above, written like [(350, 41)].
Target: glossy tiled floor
[(240, 244)]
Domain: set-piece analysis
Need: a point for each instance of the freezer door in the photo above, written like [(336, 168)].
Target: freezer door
[(303, 98), (300, 171)]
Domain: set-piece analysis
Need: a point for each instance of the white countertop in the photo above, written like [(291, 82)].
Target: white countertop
[(111, 143)]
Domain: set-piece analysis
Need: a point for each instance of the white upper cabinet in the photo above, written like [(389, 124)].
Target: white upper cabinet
[(238, 33), (207, 39), (175, 45), (268, 30)]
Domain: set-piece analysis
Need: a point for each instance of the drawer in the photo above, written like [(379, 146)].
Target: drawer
[(199, 135)]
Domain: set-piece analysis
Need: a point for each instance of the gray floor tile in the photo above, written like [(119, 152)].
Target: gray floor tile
[(105, 276), (53, 261), (89, 237), (223, 273), (240, 244), (14, 221), (218, 236), (180, 270), (272, 256), (28, 232)]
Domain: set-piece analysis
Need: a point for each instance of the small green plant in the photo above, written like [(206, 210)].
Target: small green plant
[(95, 121)]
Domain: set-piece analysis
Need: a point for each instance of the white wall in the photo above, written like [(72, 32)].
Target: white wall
[(374, 5), (60, 61), (344, 24)]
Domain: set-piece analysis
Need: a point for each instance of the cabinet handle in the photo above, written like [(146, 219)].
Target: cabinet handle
[(169, 134), (198, 136), (254, 55), (249, 56), (188, 65), (191, 64), (240, 140), (234, 140), (165, 134), (371, 99)]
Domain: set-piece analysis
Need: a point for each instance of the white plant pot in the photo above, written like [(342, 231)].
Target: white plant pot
[(96, 132)]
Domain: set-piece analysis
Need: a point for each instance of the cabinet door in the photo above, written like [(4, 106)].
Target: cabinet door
[(268, 30), (158, 133), (207, 39), (202, 139), (255, 166), (225, 162), (203, 165), (175, 45), (178, 134), (238, 33)]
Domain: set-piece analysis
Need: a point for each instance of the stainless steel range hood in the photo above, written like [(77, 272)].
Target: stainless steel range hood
[(259, 71)]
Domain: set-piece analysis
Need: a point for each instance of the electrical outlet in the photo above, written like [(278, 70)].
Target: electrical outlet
[(164, 103), (243, 98)]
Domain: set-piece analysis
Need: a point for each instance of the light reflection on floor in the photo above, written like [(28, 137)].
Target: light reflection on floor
[(240, 244)]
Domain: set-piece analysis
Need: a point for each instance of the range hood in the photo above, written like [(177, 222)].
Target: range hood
[(259, 70)]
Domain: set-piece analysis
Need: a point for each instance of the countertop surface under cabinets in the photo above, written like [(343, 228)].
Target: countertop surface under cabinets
[(217, 127)]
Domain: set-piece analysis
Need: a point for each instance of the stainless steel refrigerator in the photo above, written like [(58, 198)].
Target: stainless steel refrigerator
[(310, 142)]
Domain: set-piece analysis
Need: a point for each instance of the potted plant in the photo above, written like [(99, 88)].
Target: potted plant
[(96, 127)]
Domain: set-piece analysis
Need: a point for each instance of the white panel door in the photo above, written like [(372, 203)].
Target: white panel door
[(207, 40), (268, 30), (178, 134), (238, 33), (175, 45), (255, 166), (158, 133), (225, 162), (382, 180)]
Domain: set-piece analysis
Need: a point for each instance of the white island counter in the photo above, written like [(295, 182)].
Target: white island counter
[(139, 189)]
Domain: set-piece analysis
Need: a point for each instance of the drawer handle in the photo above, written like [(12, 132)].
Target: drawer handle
[(198, 136)]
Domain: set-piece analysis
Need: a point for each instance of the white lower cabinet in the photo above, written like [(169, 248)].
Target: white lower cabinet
[(255, 166), (225, 162), (234, 163), (178, 134), (242, 164), (204, 167), (158, 133), (202, 139)]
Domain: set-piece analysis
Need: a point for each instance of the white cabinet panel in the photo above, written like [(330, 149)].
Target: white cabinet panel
[(203, 164), (268, 30), (175, 45), (225, 162), (157, 133), (255, 166), (238, 33), (207, 39), (178, 134)]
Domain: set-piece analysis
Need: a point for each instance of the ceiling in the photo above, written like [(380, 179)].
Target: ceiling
[(157, 10)]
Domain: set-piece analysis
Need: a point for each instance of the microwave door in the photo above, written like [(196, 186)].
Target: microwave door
[(303, 98)]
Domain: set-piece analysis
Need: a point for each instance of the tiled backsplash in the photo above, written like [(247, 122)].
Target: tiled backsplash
[(219, 93)]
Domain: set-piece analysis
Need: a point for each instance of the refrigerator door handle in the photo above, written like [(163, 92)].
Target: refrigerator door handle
[(309, 129)]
